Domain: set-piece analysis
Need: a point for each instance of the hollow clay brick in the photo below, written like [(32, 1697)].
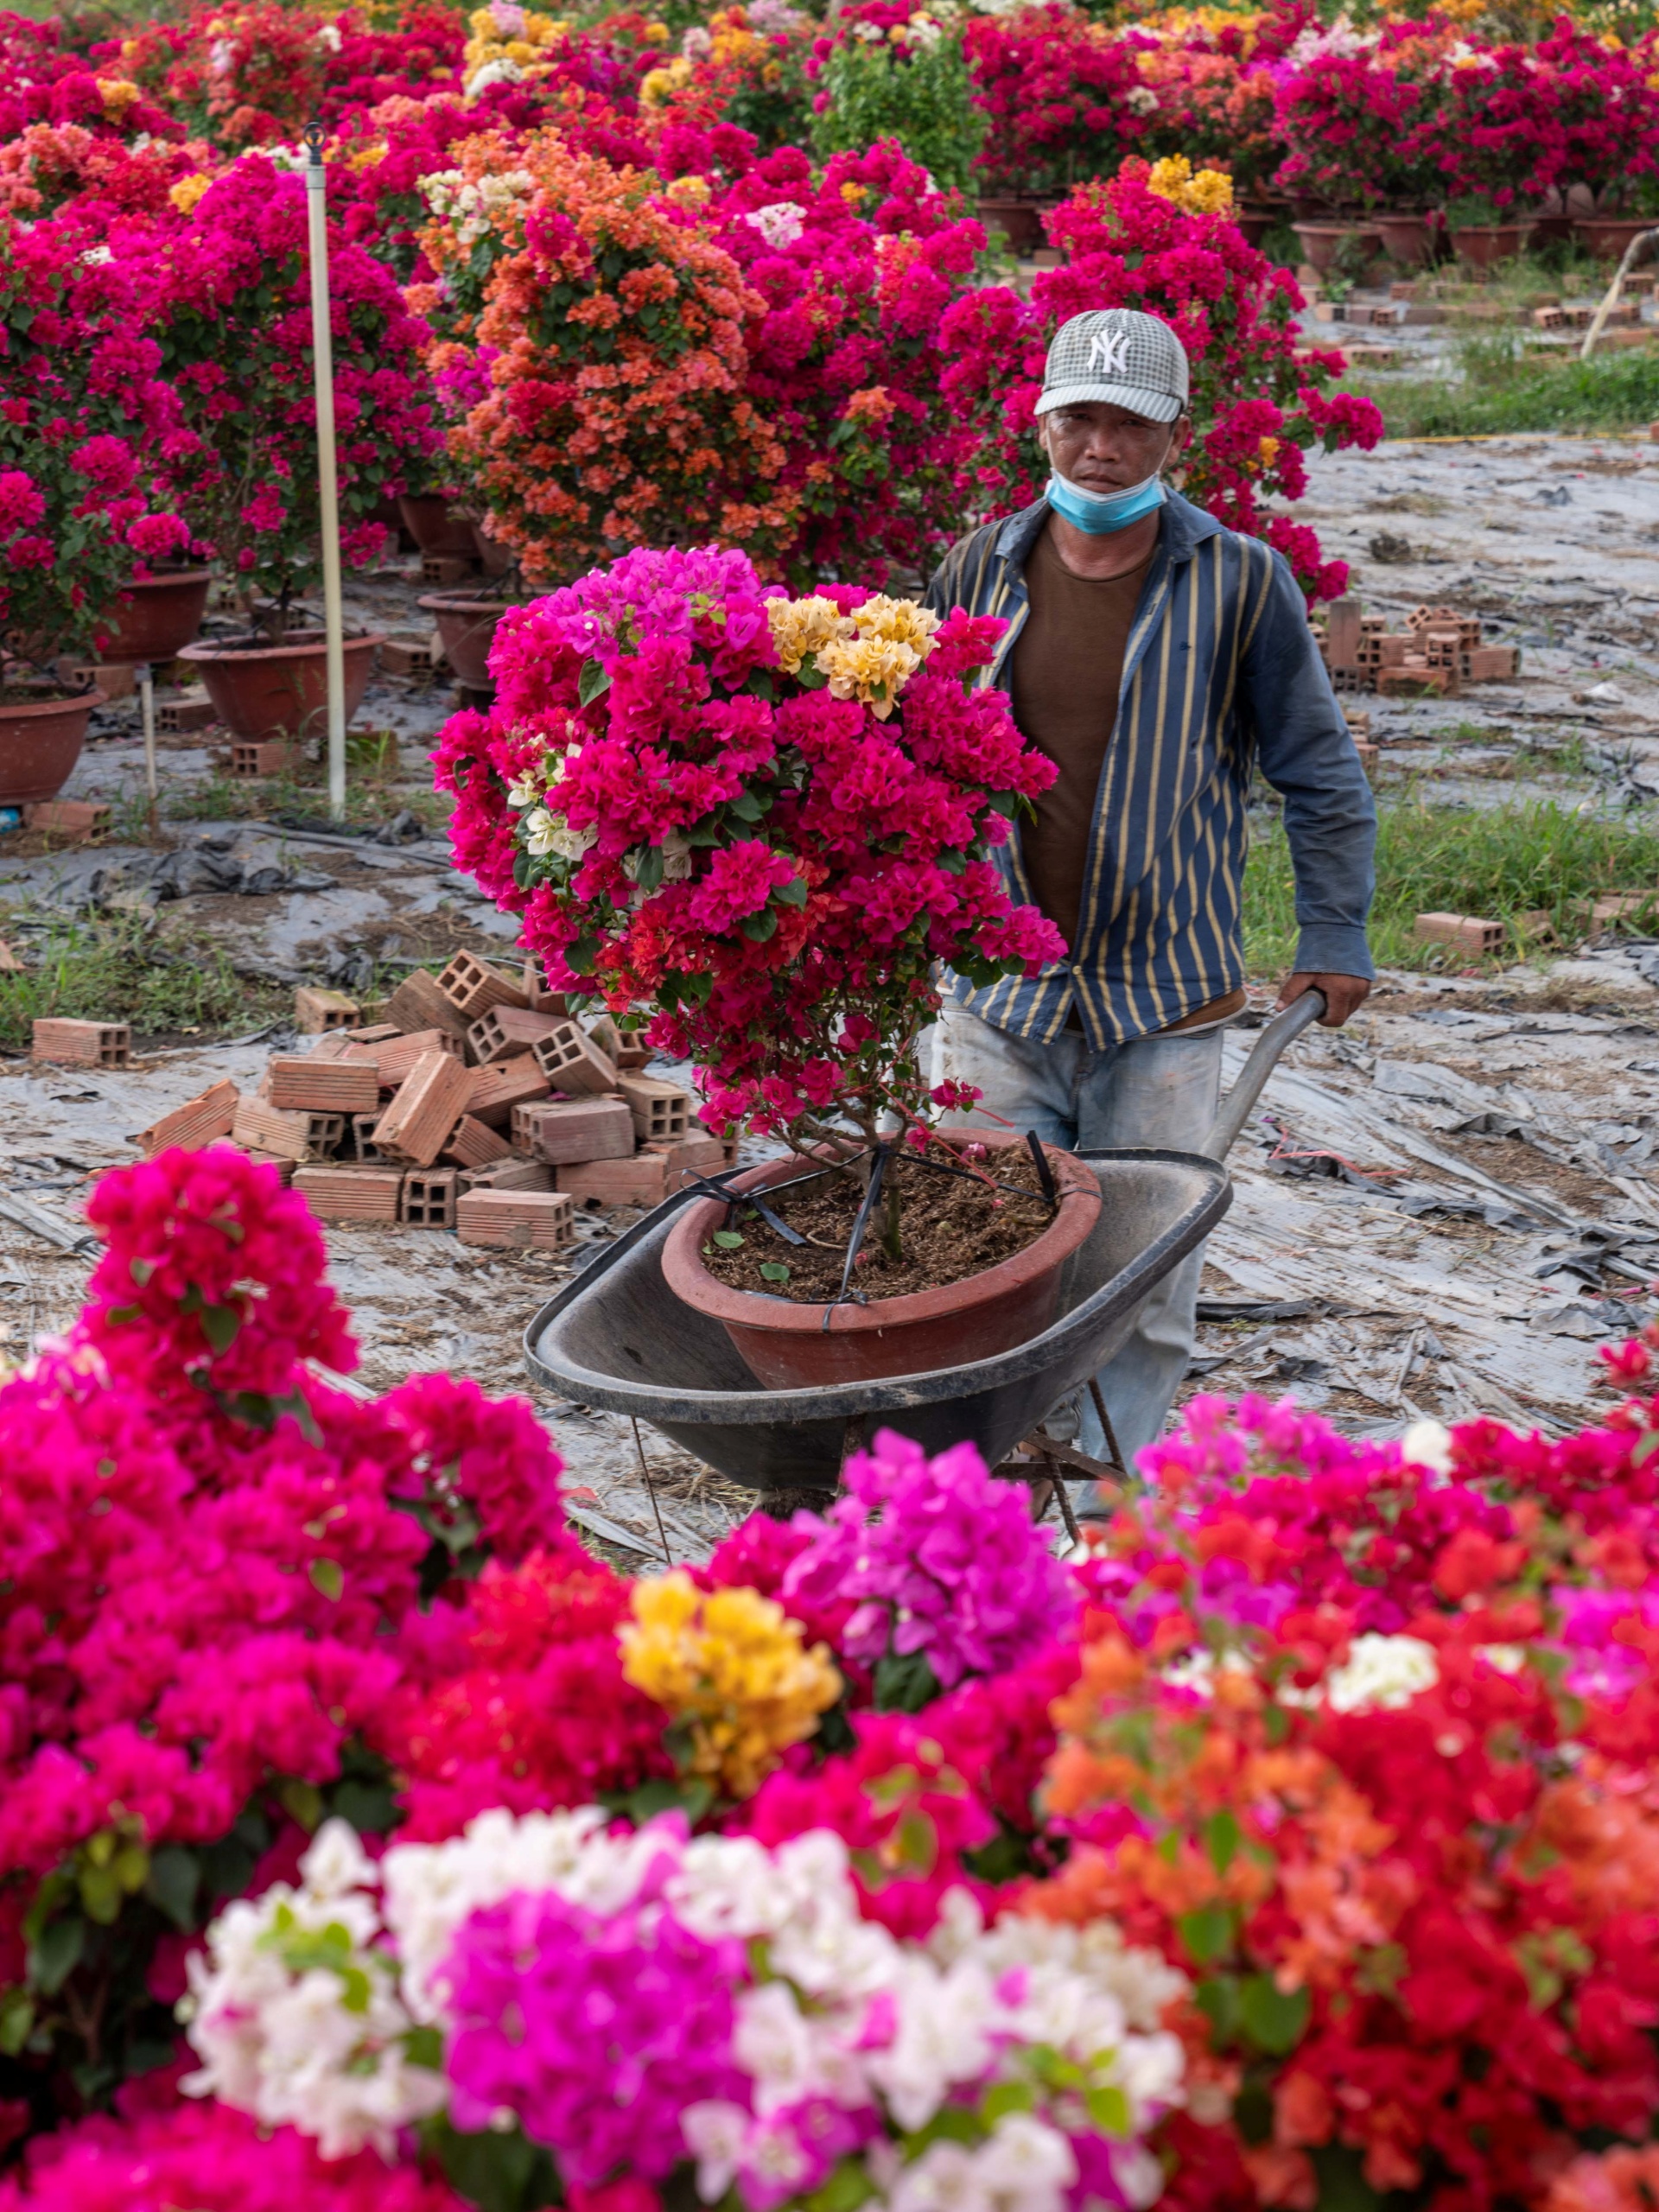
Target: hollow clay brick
[(316, 1010), (1464, 932), (496, 1090), (507, 1032), (641, 1181), (571, 1061), (541, 1221), (394, 1059), (424, 1109), (427, 1198), (77, 819), (472, 986), (473, 1143), (514, 1175), (81, 1044), (285, 1133), (574, 1129), (659, 1108), (358, 1193), (418, 1004), (201, 1121), (324, 1086)]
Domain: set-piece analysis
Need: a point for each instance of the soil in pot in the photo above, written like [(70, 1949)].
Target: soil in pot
[(157, 616), (267, 691), (41, 732), (979, 1272)]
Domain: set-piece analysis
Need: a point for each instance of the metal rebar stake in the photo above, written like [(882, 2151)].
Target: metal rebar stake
[(1106, 1428), (650, 1490)]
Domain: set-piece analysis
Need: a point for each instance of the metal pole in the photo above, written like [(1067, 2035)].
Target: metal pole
[(327, 479)]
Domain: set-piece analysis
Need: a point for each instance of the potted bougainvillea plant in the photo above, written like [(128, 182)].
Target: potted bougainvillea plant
[(237, 339), (763, 819)]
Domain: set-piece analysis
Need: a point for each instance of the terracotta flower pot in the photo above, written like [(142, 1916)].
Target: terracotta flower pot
[(1322, 242), (1607, 236), (1255, 221), (1406, 240), (468, 628), (1021, 220), (40, 743), (435, 526), (497, 558), (1485, 243), (265, 691), (785, 1346), (155, 618)]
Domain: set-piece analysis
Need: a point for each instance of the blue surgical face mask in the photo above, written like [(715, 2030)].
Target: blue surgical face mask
[(1100, 513)]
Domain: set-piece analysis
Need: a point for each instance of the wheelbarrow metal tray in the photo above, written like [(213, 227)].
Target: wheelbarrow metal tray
[(618, 1339)]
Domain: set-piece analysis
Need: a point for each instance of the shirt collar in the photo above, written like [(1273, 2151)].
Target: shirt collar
[(1185, 529)]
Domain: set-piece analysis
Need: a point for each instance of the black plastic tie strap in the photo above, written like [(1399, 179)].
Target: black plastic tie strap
[(1045, 1173), (855, 1242)]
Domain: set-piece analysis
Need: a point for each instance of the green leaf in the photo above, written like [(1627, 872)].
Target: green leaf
[(423, 2046), (57, 1953), (1645, 1447), (1217, 2000), (101, 1895), (729, 1240), (746, 806), (759, 927), (775, 1270), (1343, 2185), (905, 1684), (1272, 2018), (220, 1325), (17, 2020), (1221, 1836), (171, 1884), (792, 894), (1004, 2097), (1206, 1933), (328, 1578), (595, 681), (848, 2188), (1108, 2107)]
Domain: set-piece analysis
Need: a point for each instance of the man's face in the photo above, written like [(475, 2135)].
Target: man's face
[(1105, 448)]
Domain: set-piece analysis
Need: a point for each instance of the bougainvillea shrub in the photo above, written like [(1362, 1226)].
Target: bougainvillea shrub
[(765, 817), (1259, 398)]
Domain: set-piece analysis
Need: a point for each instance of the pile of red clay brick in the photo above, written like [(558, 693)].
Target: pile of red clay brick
[(469, 1100), (1437, 651)]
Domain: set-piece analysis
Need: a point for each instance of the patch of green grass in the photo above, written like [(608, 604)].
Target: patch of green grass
[(368, 802), (118, 970), (1506, 387), (1498, 862)]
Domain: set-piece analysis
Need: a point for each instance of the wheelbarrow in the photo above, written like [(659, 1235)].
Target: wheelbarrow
[(618, 1339)]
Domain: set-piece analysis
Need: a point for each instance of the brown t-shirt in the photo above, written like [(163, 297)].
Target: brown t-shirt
[(1068, 661)]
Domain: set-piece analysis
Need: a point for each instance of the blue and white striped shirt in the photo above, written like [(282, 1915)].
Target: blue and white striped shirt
[(1221, 671)]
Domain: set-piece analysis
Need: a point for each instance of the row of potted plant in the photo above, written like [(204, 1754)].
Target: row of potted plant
[(366, 1843)]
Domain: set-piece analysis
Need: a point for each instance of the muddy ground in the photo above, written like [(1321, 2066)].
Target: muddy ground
[(1441, 1210)]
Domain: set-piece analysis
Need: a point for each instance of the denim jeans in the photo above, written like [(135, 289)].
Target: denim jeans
[(1155, 1091)]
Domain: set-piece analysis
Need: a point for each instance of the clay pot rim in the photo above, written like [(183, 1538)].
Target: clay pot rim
[(458, 603), (54, 705), (684, 1273), (310, 641), (167, 576)]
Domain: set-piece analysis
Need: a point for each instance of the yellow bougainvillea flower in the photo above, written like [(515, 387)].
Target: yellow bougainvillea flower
[(1201, 192), (186, 192), (730, 1665), (802, 627)]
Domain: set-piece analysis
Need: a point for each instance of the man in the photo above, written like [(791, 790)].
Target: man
[(1155, 657)]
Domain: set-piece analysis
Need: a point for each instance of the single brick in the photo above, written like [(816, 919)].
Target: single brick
[(472, 986), (81, 1044), (325, 1086), (397, 1055), (287, 1134), (9, 963), (252, 758), (1367, 756), (446, 569), (602, 1030), (364, 1147), (1492, 664), (316, 1010), (184, 711), (427, 1198), (641, 1181), (473, 1143), (571, 1061), (286, 1168), (632, 1056), (1409, 683), (573, 1129), (539, 1221), (424, 1109), (417, 1004), (659, 1108), (504, 1032), (686, 1157), (77, 819), (538, 997), (505, 1175), (1622, 906), (198, 1121), (1342, 633), (408, 657), (1465, 932), (352, 1193), (496, 1090)]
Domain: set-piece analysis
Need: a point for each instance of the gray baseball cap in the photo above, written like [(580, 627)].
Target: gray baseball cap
[(1119, 355)]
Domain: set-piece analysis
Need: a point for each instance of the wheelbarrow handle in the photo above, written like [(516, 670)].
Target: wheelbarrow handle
[(1301, 1013)]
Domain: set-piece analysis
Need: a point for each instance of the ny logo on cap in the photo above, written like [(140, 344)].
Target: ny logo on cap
[(1108, 351)]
